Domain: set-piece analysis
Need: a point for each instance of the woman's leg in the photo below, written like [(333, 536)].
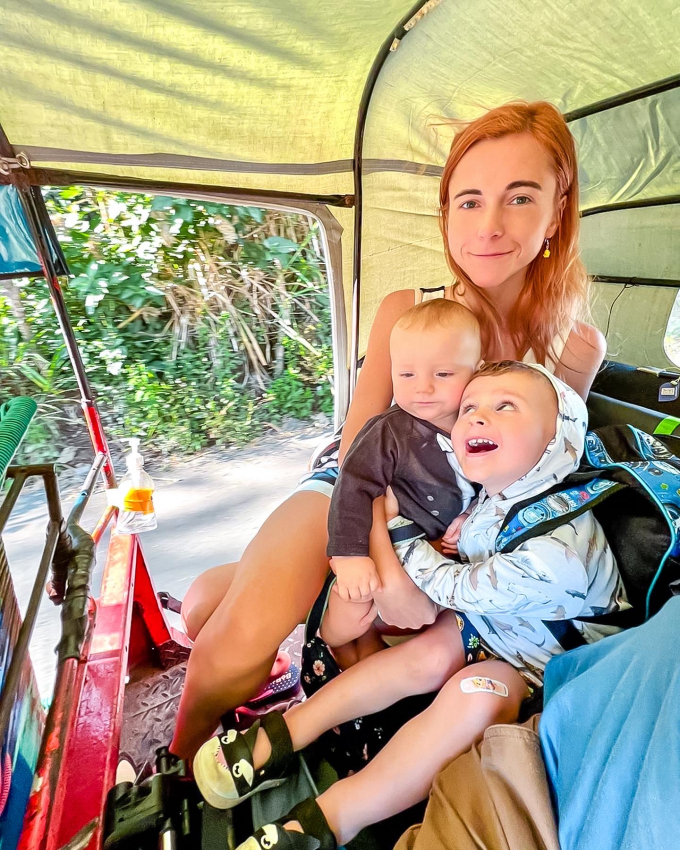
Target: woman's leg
[(418, 666), (204, 595), (402, 773), (278, 578)]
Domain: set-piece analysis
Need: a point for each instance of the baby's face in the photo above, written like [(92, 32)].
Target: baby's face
[(430, 370), (504, 426)]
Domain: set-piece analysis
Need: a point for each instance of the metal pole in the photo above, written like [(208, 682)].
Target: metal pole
[(21, 647), (31, 200), (386, 48)]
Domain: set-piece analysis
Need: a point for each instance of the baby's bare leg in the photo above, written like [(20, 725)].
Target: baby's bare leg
[(344, 621), (347, 628), (402, 773)]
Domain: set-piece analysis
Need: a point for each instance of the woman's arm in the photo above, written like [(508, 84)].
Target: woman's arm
[(400, 603), (373, 393), (582, 357)]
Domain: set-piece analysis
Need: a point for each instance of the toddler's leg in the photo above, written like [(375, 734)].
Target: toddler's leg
[(418, 666), (402, 773)]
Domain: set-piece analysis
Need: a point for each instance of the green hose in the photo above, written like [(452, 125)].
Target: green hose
[(15, 417)]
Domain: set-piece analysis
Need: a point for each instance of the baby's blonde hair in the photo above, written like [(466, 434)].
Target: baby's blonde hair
[(439, 312)]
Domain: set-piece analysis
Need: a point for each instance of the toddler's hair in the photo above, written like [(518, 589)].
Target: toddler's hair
[(504, 367), (438, 312)]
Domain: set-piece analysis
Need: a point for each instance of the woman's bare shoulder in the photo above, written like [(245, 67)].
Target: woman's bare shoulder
[(583, 354), (586, 344), (396, 302), (391, 308)]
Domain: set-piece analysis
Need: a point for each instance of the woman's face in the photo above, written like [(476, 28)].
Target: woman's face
[(501, 209)]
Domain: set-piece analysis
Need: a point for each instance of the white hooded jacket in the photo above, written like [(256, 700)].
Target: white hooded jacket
[(567, 573)]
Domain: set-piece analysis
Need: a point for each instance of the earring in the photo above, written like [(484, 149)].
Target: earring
[(546, 253)]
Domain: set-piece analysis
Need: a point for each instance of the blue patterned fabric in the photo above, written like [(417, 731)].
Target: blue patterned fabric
[(645, 464)]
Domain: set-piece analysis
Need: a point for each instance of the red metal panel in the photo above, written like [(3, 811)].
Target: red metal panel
[(173, 645), (68, 797), (94, 426), (92, 755), (78, 761)]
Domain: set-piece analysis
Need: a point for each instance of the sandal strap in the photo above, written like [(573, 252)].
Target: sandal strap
[(317, 834), (276, 729), (310, 817), (238, 748), (273, 835)]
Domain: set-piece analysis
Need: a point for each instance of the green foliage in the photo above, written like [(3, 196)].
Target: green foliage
[(198, 322)]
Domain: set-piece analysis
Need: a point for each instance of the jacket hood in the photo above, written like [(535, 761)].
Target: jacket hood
[(563, 453), (561, 457)]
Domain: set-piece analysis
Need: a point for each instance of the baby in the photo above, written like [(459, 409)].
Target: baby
[(434, 349), (520, 431)]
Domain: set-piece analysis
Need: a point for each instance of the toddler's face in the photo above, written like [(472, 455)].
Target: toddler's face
[(430, 370), (504, 426)]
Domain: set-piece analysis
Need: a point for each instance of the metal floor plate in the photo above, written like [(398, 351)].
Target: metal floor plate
[(151, 703)]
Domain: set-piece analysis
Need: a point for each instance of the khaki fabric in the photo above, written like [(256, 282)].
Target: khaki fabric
[(494, 797)]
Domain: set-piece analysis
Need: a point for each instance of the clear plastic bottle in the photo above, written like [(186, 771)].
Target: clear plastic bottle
[(135, 491)]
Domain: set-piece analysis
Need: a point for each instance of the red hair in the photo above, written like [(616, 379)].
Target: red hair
[(555, 290)]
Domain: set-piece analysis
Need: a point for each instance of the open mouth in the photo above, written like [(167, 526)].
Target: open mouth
[(480, 445)]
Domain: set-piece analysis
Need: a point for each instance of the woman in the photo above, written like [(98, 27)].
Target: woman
[(509, 218)]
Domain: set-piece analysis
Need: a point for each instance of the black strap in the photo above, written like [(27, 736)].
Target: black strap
[(565, 633), (315, 616), (281, 756), (239, 747), (217, 828), (313, 821), (404, 533)]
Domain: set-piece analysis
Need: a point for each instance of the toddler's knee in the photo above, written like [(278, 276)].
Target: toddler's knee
[(432, 665), (493, 696)]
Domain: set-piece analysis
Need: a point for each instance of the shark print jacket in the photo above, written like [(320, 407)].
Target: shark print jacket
[(562, 575)]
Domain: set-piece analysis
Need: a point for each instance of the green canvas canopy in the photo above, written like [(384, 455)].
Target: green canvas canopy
[(246, 95)]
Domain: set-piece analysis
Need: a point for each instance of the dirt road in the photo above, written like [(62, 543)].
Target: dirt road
[(208, 509)]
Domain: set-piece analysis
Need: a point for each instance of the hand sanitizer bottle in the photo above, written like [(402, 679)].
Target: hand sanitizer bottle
[(135, 491)]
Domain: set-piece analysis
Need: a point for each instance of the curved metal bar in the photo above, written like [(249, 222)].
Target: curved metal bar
[(386, 48), (666, 201), (103, 523), (621, 99), (54, 529), (669, 283)]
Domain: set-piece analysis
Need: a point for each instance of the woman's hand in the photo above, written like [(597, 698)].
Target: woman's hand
[(452, 535), (401, 604)]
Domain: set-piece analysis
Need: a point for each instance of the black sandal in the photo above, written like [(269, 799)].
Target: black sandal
[(316, 834), (224, 770)]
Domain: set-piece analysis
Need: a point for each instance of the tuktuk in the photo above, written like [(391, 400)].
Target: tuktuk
[(339, 111)]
